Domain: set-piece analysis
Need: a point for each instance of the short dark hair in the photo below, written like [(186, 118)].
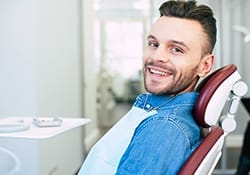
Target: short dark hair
[(189, 10)]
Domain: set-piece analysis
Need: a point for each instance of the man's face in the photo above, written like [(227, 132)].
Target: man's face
[(172, 60)]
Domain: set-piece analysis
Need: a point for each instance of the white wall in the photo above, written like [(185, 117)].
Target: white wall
[(40, 58), (17, 58), (58, 40)]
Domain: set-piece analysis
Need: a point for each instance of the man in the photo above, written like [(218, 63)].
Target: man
[(159, 133)]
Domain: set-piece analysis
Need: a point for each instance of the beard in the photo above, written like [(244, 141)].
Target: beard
[(173, 84)]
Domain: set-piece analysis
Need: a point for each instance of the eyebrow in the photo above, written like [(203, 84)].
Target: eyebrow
[(151, 37), (171, 41)]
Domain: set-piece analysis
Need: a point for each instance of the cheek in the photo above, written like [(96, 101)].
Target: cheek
[(143, 62), (145, 59), (146, 55), (182, 65), (148, 52)]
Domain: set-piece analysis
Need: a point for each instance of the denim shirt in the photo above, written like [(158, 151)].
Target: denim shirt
[(156, 137)]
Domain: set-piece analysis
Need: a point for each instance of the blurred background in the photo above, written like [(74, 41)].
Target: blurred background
[(82, 58)]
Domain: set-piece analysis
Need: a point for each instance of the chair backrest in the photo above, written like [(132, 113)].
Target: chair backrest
[(220, 92)]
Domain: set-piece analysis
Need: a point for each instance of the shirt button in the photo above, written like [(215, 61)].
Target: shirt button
[(148, 106)]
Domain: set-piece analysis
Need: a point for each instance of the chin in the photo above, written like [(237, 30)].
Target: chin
[(154, 91)]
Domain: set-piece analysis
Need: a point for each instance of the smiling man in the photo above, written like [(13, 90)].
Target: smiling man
[(173, 60), (159, 133)]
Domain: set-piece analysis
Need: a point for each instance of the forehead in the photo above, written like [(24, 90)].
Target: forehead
[(187, 31)]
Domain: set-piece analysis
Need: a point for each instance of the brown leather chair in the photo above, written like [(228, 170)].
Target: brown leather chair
[(215, 111)]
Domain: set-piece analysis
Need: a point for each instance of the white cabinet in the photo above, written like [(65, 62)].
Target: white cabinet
[(48, 151)]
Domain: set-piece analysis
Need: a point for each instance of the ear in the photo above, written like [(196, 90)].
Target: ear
[(206, 65)]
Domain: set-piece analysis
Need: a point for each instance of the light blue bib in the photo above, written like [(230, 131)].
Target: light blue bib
[(105, 155)]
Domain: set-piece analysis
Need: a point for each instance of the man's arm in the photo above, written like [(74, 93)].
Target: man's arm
[(157, 147)]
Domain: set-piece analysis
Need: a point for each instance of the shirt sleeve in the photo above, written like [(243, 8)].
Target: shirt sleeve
[(158, 147)]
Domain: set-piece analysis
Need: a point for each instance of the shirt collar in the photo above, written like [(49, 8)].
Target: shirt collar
[(148, 100)]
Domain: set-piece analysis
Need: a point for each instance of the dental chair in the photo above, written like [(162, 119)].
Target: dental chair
[(215, 112)]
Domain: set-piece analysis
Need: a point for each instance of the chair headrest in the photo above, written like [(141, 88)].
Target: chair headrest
[(214, 91)]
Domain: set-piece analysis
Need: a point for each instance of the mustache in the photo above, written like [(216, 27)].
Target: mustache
[(160, 65)]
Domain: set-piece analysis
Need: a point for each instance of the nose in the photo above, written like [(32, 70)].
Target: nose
[(160, 54)]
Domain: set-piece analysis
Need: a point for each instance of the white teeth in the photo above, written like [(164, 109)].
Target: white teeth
[(158, 72)]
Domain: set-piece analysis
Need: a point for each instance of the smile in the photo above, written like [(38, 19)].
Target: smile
[(158, 71), (154, 71)]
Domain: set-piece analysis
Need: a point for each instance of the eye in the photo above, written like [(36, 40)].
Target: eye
[(177, 50), (153, 44)]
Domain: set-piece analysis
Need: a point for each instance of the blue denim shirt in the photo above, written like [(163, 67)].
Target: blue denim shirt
[(162, 142), (156, 137)]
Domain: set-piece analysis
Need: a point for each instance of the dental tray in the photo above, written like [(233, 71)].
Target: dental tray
[(12, 126)]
